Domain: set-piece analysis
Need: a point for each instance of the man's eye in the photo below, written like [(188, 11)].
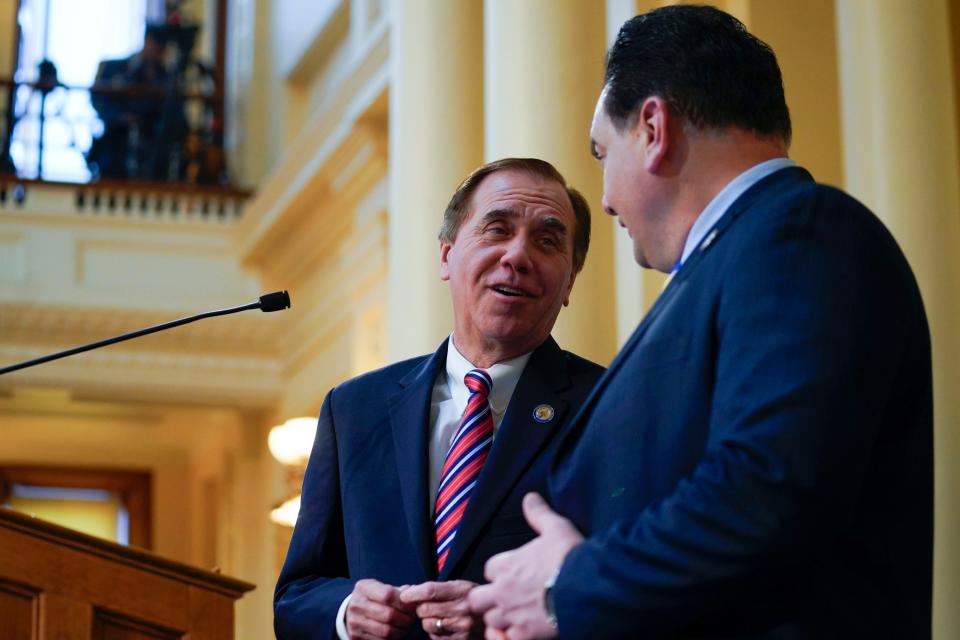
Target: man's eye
[(549, 242), (497, 230)]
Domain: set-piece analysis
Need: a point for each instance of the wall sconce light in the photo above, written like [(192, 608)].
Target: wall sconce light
[(290, 443), (286, 513)]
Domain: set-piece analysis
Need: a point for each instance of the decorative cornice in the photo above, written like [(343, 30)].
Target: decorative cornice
[(143, 376), (319, 175)]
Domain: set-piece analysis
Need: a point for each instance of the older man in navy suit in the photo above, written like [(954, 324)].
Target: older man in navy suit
[(418, 470), (756, 462)]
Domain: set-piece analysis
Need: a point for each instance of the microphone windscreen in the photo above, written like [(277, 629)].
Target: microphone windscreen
[(276, 301)]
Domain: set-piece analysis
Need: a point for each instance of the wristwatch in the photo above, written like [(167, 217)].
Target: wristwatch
[(548, 599)]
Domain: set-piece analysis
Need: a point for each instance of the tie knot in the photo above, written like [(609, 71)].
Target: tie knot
[(478, 381)]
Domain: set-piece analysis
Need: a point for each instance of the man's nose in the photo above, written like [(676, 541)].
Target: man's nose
[(516, 254), (607, 209)]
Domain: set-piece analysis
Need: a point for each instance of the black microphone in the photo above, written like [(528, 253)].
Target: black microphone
[(276, 301)]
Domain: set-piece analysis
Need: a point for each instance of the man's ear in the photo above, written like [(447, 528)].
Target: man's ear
[(444, 264), (652, 131), (566, 298)]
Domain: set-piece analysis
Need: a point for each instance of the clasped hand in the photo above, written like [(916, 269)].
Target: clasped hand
[(511, 605), (378, 610)]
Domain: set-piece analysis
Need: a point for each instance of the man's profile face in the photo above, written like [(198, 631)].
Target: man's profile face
[(630, 192), (510, 266)]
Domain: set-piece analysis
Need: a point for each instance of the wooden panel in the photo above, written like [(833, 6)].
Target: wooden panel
[(91, 588), (63, 618), (113, 626), (211, 616), (18, 611), (83, 577)]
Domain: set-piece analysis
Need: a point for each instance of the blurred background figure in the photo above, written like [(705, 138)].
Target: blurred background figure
[(127, 95), (114, 89)]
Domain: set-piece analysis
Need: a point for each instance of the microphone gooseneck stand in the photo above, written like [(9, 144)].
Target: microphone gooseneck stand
[(276, 301)]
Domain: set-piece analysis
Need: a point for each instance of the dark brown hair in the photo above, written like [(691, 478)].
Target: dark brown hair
[(458, 209)]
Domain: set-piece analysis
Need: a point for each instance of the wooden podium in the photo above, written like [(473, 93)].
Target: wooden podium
[(60, 584)]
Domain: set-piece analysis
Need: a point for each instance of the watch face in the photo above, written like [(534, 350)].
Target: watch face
[(548, 599), (548, 603)]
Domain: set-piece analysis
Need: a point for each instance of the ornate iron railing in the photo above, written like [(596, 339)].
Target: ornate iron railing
[(153, 133)]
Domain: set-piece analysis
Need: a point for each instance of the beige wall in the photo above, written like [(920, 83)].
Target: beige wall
[(8, 15), (213, 479), (46, 431), (803, 35)]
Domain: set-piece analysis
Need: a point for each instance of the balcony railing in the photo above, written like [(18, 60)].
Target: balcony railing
[(142, 133), (125, 200)]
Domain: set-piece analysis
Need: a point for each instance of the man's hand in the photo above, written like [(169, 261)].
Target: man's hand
[(512, 604), (376, 611), (446, 603)]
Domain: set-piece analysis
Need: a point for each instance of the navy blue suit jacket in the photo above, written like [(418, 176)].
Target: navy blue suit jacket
[(365, 511), (757, 460)]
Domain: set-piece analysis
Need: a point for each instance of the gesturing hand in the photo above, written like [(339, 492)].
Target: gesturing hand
[(512, 604), (376, 611), (444, 610)]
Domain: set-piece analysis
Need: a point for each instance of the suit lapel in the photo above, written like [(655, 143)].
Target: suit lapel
[(520, 439), (410, 420)]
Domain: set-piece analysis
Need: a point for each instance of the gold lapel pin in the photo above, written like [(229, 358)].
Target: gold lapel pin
[(543, 413)]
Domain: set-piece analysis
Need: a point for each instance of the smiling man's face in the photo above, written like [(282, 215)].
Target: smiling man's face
[(510, 266)]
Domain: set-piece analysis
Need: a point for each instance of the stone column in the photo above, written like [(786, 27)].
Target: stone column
[(436, 138), (628, 275), (901, 159), (543, 67)]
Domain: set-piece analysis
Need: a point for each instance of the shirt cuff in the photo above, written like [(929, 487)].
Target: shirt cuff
[(342, 620)]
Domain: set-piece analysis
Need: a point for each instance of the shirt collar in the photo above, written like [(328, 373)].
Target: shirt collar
[(712, 213), (505, 376)]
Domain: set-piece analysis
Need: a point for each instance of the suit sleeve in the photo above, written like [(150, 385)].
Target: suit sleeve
[(809, 331), (313, 581)]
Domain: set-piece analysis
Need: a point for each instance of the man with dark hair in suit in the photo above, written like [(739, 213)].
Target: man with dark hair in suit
[(130, 119), (757, 460), (418, 470)]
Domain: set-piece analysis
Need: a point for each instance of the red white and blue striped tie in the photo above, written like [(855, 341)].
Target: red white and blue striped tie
[(465, 459)]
